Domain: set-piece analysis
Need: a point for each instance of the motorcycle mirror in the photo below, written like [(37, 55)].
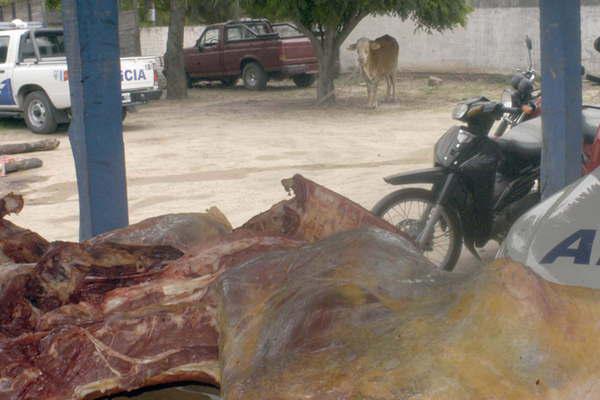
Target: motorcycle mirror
[(528, 42)]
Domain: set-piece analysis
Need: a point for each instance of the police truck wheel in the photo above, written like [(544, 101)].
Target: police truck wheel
[(40, 114), (254, 77)]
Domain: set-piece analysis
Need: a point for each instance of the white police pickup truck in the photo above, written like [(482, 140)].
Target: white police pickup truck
[(34, 78)]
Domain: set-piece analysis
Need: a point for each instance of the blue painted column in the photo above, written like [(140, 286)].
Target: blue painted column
[(560, 25), (96, 131)]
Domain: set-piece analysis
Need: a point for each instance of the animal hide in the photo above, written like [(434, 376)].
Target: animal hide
[(293, 306), (17, 245), (104, 317)]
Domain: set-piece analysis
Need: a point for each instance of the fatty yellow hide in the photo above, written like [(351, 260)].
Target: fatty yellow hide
[(361, 316)]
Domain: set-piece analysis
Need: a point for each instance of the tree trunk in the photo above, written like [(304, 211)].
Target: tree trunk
[(174, 62), (327, 50), (237, 10), (327, 69)]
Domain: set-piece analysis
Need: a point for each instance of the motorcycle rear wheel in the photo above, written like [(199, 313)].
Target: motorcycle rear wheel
[(446, 245)]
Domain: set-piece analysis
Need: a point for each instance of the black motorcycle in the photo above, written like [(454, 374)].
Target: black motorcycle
[(480, 186)]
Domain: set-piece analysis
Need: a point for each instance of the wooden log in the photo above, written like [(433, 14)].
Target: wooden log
[(17, 148), (22, 165)]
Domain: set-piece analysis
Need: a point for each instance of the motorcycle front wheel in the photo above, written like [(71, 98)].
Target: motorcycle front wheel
[(406, 208)]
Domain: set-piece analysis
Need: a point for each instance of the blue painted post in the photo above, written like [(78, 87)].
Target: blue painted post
[(561, 89), (96, 131)]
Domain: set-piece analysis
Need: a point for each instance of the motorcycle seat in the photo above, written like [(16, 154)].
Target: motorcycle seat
[(524, 140), (590, 123)]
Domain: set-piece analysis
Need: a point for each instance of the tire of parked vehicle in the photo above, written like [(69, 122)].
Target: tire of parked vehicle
[(304, 80), (387, 208), (254, 76), (229, 82), (40, 114), (189, 81), (123, 114)]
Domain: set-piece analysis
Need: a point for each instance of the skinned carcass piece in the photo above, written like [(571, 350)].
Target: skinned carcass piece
[(17, 245), (182, 231), (314, 213), (360, 315), (137, 334), (292, 306)]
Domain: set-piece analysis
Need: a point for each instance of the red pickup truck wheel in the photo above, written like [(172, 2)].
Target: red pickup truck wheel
[(304, 80), (254, 77)]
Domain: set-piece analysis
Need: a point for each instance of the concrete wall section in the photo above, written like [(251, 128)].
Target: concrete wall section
[(492, 41), (129, 34), (154, 40)]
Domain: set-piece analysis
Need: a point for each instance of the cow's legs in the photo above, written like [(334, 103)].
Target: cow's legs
[(388, 91), (393, 82), (372, 87)]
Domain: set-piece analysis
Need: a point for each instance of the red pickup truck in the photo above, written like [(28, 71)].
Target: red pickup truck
[(254, 50)]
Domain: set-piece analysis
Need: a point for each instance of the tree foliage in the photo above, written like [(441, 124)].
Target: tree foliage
[(428, 14), (197, 11)]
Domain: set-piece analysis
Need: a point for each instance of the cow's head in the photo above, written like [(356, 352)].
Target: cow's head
[(363, 48)]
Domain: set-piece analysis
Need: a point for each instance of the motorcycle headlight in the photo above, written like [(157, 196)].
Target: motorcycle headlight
[(460, 111), (507, 99)]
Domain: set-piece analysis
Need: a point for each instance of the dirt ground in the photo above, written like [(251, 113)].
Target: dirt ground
[(231, 148)]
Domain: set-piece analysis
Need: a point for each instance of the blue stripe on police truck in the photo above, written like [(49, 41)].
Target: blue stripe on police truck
[(6, 94), (133, 75)]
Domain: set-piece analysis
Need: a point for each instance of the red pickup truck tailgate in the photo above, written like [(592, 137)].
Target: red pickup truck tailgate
[(298, 51)]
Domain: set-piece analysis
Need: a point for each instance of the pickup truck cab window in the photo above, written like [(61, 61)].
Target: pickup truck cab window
[(50, 44), (210, 38), (3, 48), (286, 30), (234, 33), (239, 33), (258, 27)]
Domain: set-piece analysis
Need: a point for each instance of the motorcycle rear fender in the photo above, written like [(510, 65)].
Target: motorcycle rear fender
[(429, 175)]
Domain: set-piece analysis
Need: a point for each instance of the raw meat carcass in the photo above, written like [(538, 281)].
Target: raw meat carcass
[(360, 315), (314, 213), (88, 338), (182, 231), (17, 244), (295, 306)]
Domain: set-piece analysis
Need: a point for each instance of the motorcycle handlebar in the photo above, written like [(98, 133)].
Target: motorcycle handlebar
[(510, 109)]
